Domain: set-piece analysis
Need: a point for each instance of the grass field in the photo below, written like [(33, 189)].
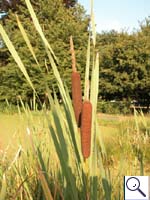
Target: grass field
[(127, 137), (122, 148), (116, 132), (29, 152), (124, 138)]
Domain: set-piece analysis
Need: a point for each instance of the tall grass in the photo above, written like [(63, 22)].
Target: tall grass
[(52, 167)]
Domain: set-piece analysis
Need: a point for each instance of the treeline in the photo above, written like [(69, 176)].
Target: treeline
[(124, 58), (125, 65)]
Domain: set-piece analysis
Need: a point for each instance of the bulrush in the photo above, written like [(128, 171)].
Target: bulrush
[(86, 121), (86, 124), (76, 87)]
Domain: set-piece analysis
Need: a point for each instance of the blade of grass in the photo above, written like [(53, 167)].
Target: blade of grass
[(3, 189), (44, 182), (136, 121), (105, 180)]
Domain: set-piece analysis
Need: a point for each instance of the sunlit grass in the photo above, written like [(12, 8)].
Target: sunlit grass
[(118, 139)]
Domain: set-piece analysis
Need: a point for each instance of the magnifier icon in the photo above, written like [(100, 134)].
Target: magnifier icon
[(133, 184)]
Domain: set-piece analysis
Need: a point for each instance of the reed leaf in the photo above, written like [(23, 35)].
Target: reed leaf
[(41, 168), (50, 53), (15, 55), (38, 27), (25, 36), (94, 98), (93, 28), (70, 178), (87, 69), (95, 128), (105, 180)]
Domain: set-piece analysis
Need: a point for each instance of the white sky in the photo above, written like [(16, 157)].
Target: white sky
[(118, 14)]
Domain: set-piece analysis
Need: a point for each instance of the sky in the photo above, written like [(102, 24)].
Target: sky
[(118, 14)]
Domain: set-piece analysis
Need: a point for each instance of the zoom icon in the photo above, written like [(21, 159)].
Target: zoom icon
[(133, 184), (136, 187)]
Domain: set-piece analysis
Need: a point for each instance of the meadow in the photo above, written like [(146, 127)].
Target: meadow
[(124, 141), (112, 128)]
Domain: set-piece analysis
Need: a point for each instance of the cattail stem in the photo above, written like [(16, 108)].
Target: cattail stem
[(87, 90), (74, 69)]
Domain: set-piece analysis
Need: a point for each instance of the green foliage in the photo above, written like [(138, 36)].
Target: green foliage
[(124, 59), (114, 107), (125, 65), (58, 23)]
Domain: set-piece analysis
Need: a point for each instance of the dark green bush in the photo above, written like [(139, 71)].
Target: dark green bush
[(114, 107)]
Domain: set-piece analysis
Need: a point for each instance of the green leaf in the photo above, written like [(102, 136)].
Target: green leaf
[(3, 189), (25, 36), (15, 55)]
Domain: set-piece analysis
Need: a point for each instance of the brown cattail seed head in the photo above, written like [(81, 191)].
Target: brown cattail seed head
[(76, 96), (86, 123)]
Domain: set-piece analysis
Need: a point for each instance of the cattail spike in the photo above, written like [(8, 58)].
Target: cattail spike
[(86, 123), (77, 96)]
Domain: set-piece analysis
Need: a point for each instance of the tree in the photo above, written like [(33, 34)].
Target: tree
[(58, 23), (8, 4), (70, 3), (125, 65), (142, 89)]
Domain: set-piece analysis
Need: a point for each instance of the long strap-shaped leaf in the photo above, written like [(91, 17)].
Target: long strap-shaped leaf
[(15, 55), (64, 165), (93, 28), (93, 99), (87, 69), (25, 36), (38, 27)]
